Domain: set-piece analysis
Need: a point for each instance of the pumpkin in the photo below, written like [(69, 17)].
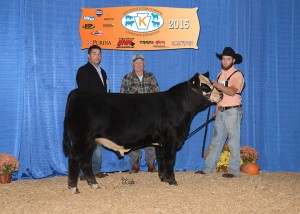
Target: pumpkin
[(251, 168)]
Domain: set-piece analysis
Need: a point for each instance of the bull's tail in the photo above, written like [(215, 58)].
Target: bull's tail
[(66, 140), (67, 144)]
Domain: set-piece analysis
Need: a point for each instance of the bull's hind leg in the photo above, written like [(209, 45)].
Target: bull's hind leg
[(80, 157), (86, 166), (73, 173)]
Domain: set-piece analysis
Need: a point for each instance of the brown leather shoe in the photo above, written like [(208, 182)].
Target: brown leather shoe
[(134, 168), (151, 168), (101, 175)]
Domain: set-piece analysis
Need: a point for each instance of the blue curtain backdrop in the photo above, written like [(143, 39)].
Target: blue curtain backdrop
[(40, 54)]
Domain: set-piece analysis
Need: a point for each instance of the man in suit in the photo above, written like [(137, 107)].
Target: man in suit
[(91, 77)]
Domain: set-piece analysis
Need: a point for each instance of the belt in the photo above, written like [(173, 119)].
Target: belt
[(227, 107)]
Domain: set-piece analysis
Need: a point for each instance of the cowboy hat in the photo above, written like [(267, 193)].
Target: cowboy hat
[(228, 51)]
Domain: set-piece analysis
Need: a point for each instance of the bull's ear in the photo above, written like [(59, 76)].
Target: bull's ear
[(194, 79), (206, 74), (195, 76)]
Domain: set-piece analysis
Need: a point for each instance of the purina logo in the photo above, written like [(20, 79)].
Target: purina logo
[(142, 21)]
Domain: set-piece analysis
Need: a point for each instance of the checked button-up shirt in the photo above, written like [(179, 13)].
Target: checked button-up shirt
[(131, 84)]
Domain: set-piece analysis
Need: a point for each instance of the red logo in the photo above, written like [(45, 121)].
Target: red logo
[(98, 33), (125, 42)]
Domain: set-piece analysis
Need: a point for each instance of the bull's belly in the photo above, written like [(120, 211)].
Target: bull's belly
[(115, 147)]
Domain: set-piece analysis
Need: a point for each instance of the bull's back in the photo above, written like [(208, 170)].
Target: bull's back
[(108, 113)]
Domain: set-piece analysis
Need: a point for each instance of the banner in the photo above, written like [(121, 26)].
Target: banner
[(139, 28)]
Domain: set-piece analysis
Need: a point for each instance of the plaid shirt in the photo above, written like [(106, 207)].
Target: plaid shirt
[(131, 84)]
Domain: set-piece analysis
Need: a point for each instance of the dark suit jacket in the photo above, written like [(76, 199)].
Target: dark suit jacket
[(88, 79)]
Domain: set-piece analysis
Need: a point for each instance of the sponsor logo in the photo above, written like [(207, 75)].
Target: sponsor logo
[(88, 26), (182, 43), (142, 21), (99, 13), (109, 19), (100, 42), (159, 44), (146, 42), (125, 43), (98, 33), (89, 18), (108, 25)]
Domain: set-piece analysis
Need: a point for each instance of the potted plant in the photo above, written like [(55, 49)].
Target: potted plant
[(249, 157), (8, 165), (224, 159)]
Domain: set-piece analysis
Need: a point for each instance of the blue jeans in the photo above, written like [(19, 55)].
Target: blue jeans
[(227, 125), (96, 160)]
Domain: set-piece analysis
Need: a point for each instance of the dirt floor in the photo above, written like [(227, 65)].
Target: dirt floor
[(122, 192)]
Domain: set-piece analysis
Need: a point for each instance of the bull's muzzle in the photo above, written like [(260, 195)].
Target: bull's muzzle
[(215, 96)]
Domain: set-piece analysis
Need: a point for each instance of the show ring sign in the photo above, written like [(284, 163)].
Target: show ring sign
[(139, 28)]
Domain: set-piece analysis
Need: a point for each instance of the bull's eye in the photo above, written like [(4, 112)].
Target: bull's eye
[(206, 95), (205, 88), (193, 82)]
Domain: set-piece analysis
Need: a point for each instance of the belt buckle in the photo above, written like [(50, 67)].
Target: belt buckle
[(221, 108)]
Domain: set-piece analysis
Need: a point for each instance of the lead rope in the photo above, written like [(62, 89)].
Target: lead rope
[(201, 127), (206, 125)]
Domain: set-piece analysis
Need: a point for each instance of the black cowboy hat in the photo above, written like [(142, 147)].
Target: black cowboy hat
[(228, 51)]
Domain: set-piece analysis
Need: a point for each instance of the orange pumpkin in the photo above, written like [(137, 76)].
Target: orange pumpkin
[(251, 168)]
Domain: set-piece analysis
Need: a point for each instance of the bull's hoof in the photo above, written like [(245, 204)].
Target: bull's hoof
[(74, 190), (173, 182), (163, 180), (95, 186)]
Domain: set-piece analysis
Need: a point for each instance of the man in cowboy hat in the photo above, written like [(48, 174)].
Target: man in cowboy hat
[(228, 115)]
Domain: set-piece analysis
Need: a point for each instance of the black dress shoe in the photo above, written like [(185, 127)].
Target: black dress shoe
[(101, 175), (227, 175), (200, 172)]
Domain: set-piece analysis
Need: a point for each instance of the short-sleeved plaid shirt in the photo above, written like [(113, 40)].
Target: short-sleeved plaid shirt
[(131, 84)]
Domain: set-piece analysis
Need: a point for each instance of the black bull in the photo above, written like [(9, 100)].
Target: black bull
[(122, 122)]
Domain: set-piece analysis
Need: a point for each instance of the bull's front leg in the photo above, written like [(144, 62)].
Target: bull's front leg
[(170, 176), (160, 162), (169, 157)]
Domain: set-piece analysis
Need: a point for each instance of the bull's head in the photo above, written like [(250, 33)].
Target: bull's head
[(200, 83)]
